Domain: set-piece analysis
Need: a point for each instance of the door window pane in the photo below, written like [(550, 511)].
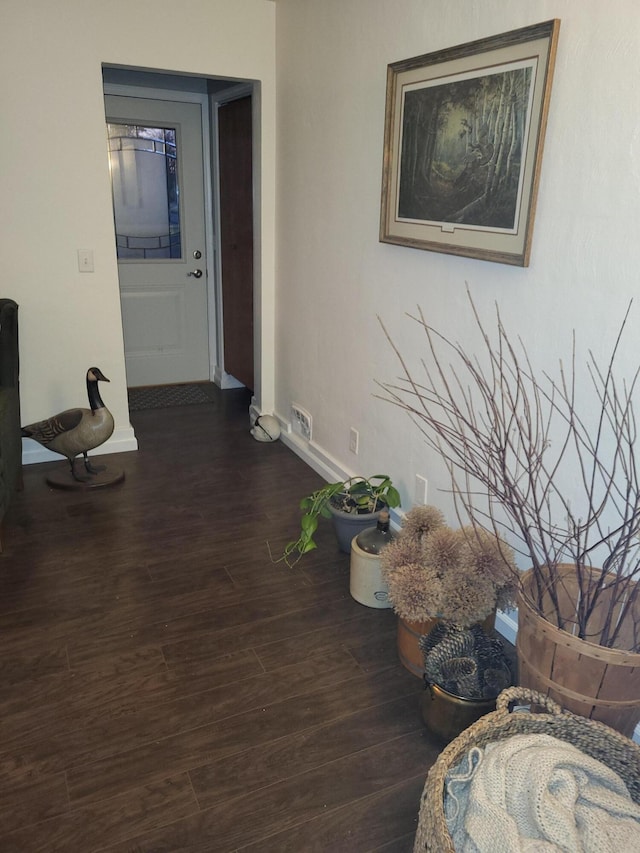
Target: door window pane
[(144, 178)]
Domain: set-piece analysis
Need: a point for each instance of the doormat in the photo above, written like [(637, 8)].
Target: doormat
[(165, 396)]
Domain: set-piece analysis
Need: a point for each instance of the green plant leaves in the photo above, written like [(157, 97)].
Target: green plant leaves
[(361, 494), (392, 497), (309, 524)]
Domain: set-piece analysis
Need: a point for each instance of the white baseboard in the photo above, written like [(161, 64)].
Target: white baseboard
[(507, 626), (122, 440), (316, 458), (225, 380)]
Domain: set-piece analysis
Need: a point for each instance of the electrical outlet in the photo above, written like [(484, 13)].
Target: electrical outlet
[(354, 440), (421, 490), (301, 421)]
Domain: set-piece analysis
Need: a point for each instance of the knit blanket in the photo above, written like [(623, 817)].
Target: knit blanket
[(536, 794)]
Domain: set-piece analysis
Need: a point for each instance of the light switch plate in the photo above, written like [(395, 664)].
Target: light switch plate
[(85, 260)]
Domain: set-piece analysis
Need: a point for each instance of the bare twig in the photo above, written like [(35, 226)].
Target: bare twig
[(517, 449)]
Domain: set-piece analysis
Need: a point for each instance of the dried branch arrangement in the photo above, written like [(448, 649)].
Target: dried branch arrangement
[(561, 486)]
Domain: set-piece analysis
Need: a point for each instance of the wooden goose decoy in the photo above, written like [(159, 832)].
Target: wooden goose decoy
[(77, 431)]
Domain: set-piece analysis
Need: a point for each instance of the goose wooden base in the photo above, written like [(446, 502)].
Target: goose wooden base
[(60, 478)]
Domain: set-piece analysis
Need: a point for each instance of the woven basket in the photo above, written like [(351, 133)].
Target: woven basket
[(595, 739)]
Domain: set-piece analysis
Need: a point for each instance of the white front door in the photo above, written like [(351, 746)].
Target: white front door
[(155, 156)]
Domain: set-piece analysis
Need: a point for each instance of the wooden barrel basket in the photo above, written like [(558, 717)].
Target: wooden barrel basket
[(587, 679)]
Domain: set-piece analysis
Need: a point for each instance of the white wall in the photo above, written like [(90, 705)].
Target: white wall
[(333, 275), (55, 187)]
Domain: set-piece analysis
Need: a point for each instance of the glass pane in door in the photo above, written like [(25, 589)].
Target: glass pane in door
[(144, 179)]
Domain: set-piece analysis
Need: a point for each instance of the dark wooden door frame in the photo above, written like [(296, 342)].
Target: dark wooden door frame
[(235, 179)]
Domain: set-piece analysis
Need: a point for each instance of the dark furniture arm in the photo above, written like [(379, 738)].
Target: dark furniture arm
[(10, 438)]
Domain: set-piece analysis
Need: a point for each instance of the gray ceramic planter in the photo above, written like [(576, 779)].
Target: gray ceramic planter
[(350, 524)]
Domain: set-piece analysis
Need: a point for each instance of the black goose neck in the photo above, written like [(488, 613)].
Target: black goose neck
[(93, 392)]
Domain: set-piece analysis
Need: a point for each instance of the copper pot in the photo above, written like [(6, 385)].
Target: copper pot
[(446, 715)]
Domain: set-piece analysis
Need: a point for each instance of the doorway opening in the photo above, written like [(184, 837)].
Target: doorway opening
[(185, 249)]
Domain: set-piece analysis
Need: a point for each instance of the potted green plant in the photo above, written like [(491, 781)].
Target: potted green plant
[(352, 504), (551, 464)]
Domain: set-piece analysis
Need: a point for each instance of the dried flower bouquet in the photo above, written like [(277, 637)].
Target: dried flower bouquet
[(458, 575)]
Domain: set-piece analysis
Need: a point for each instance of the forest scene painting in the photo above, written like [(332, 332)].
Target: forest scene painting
[(462, 149), (463, 141)]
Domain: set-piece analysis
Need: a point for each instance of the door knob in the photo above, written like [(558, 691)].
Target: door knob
[(196, 273)]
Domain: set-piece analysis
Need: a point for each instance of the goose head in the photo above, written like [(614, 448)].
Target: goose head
[(94, 374)]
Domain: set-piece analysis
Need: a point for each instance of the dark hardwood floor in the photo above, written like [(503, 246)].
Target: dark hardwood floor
[(166, 687)]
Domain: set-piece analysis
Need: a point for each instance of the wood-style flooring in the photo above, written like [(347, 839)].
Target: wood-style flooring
[(164, 686)]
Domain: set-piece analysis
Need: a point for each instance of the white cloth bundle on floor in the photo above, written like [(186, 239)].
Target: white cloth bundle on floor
[(537, 794)]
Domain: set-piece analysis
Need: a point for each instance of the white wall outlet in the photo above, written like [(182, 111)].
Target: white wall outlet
[(354, 440), (300, 421), (421, 490)]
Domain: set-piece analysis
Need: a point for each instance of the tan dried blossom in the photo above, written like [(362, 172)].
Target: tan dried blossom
[(413, 593), (491, 556), (467, 599), (421, 521), (434, 571), (403, 550), (443, 549)]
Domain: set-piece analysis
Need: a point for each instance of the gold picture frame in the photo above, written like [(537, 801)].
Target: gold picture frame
[(463, 139)]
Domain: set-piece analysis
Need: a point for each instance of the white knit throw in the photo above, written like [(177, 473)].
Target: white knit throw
[(537, 794)]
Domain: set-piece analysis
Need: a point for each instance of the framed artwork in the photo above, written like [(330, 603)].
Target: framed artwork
[(464, 132)]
